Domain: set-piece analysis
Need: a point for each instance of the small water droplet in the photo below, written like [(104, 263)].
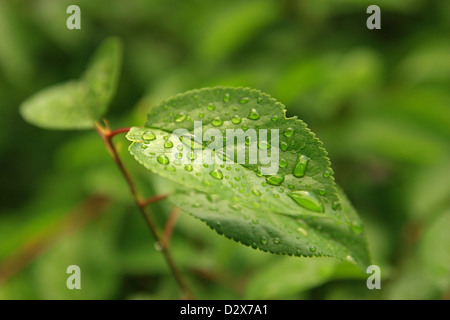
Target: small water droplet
[(263, 145), (163, 159), (322, 192), (180, 117), (143, 146), (210, 107), (256, 192), (275, 180), (217, 174), (168, 144), (201, 115), (298, 253), (283, 145), (283, 163), (335, 205), (171, 168), (312, 249), (274, 119), (326, 174), (244, 100), (259, 100), (357, 229), (307, 200), (217, 122), (300, 167), (245, 127), (263, 240), (350, 259), (302, 231), (254, 114), (188, 168), (236, 119), (226, 98), (289, 132), (276, 240)]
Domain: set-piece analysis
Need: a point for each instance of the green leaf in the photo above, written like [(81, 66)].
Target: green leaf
[(78, 104), (297, 211)]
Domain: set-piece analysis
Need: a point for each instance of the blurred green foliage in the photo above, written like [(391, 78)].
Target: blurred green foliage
[(378, 99)]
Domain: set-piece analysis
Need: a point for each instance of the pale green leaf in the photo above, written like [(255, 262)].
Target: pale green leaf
[(234, 198)]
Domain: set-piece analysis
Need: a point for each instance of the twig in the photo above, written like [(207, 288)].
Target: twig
[(106, 134), (170, 224)]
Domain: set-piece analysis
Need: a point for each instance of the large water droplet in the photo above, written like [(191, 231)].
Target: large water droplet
[(300, 167), (254, 114), (180, 117), (163, 159), (307, 200), (148, 136), (217, 122), (275, 180), (217, 174)]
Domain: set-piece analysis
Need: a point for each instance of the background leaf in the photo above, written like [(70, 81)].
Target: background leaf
[(78, 104)]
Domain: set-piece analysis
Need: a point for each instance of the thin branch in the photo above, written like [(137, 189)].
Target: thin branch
[(170, 224), (144, 203), (106, 134)]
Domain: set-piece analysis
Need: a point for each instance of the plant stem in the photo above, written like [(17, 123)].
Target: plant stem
[(106, 134)]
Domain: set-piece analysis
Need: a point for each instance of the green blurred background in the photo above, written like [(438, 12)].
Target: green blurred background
[(378, 99)]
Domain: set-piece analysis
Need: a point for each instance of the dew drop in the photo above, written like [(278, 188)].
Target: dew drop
[(263, 145), (188, 167), (300, 167), (283, 145), (307, 200), (263, 240), (210, 107), (148, 136), (201, 115), (302, 231), (244, 100), (226, 98), (274, 119), (259, 100), (217, 122), (276, 240), (236, 119), (312, 249), (254, 115), (322, 192), (298, 253), (217, 174), (180, 117), (163, 159), (289, 132), (275, 180), (283, 163), (168, 144), (256, 192), (326, 174)]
